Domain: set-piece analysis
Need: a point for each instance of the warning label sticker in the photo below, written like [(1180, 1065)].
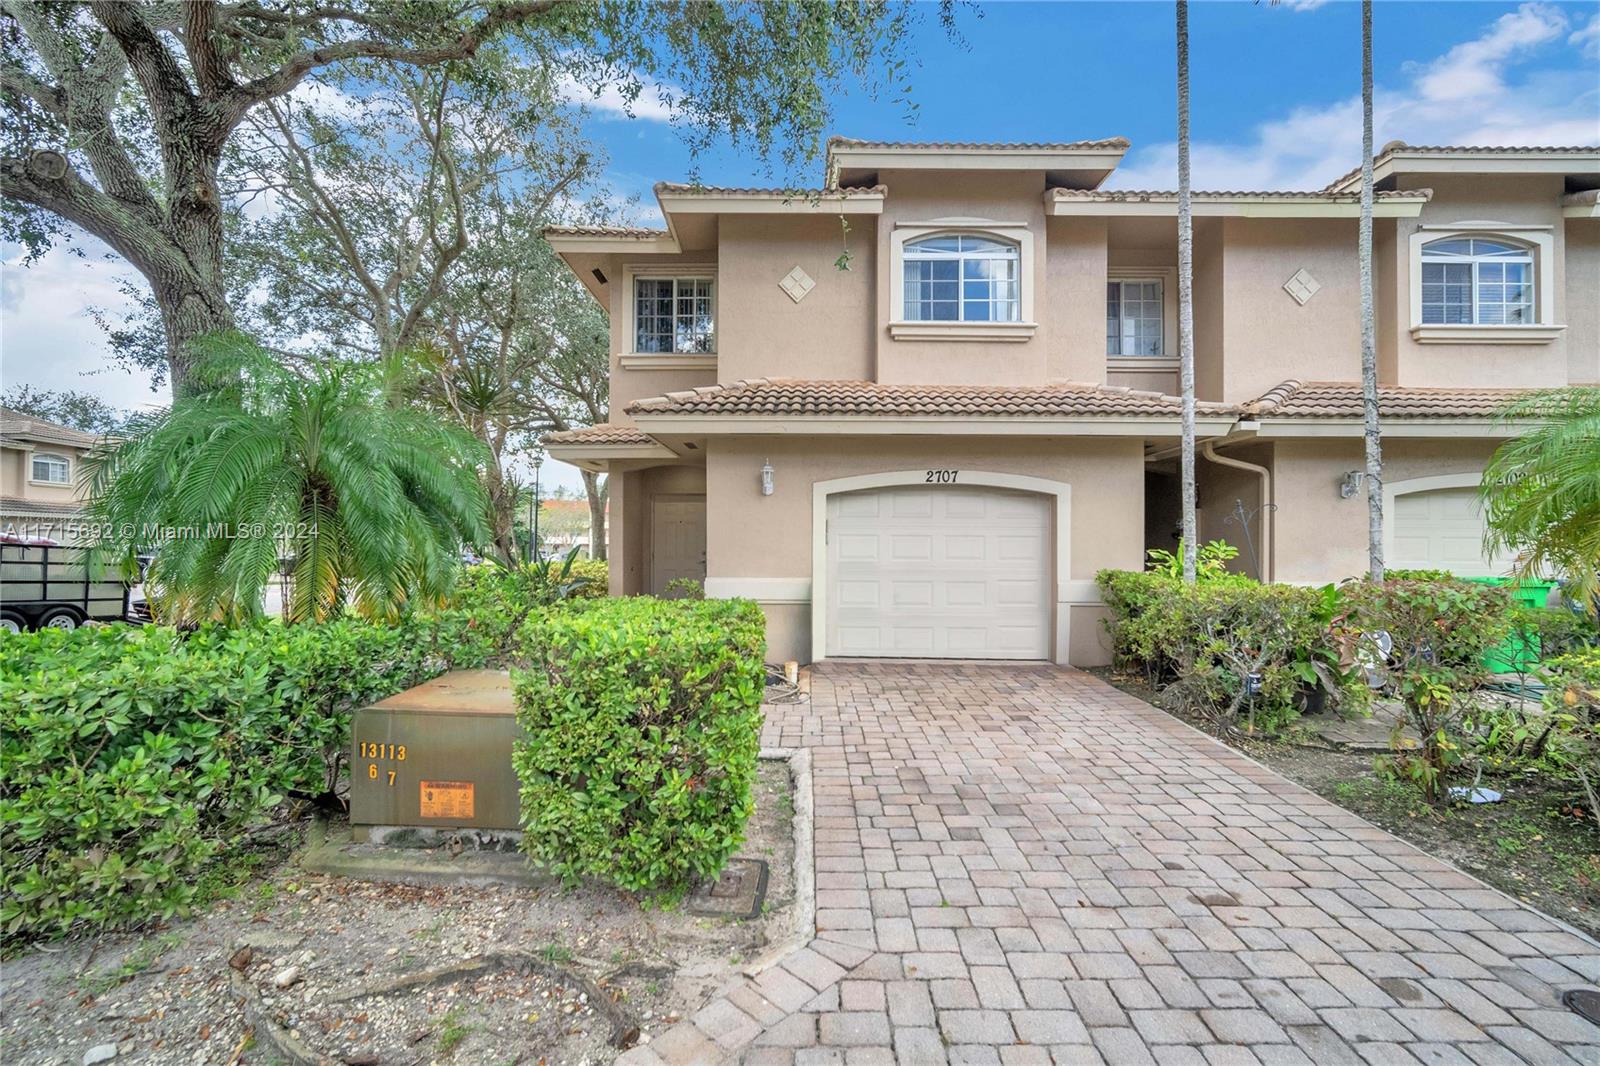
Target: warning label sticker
[(447, 799)]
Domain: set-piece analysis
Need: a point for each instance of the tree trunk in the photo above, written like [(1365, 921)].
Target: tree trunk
[(502, 502), (1369, 333), (190, 309), (597, 513), (1191, 536)]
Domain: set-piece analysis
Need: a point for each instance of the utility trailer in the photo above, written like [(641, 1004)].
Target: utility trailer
[(48, 586)]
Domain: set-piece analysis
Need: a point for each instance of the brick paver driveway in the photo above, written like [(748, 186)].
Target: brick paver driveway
[(1022, 864)]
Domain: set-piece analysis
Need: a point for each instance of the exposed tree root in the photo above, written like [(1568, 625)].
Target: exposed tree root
[(284, 1044), (624, 1030)]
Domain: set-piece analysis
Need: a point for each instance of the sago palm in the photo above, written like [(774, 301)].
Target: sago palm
[(1541, 491), (368, 499)]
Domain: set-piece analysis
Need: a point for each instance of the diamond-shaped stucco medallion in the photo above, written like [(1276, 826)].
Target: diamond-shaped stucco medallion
[(1302, 286), (797, 283)]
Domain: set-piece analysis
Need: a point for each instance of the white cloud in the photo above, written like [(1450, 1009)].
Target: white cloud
[(1474, 70), (653, 104), (1461, 97), (1304, 5), (1587, 39), (48, 338)]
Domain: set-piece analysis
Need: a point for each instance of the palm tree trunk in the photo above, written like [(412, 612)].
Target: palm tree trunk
[(1369, 332), (1186, 300)]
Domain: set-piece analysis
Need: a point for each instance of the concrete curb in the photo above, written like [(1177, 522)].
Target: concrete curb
[(738, 1013), (803, 916)]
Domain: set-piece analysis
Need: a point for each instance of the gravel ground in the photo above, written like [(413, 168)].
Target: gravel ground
[(299, 961)]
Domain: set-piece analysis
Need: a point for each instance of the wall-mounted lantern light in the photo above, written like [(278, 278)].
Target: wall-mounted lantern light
[(766, 477), (1351, 484)]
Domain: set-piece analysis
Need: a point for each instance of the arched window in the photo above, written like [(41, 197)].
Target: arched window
[(961, 278), (54, 469), (1477, 281)]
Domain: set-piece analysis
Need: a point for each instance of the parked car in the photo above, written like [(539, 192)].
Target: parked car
[(45, 585)]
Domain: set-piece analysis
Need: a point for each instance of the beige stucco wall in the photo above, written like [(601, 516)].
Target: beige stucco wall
[(1321, 537), (1523, 199), (1267, 336), (1072, 313), (1583, 301), (999, 197), (754, 536), (764, 333), (1210, 261)]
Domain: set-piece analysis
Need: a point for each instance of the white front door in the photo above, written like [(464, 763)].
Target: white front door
[(1442, 529), (677, 541), (960, 572)]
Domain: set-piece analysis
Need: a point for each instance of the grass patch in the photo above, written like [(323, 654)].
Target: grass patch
[(452, 1031), (143, 956)]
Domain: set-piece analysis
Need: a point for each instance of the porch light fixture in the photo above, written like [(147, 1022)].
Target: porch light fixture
[(766, 477), (1351, 483)]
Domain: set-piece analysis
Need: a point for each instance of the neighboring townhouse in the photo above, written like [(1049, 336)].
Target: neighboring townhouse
[(41, 494), (931, 452)]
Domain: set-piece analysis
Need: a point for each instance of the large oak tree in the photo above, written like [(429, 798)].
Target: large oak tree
[(119, 114)]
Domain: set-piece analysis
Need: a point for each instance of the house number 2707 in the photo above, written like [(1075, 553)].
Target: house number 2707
[(942, 477)]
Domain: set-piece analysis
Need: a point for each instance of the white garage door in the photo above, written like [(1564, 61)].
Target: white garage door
[(952, 572), (1442, 529)]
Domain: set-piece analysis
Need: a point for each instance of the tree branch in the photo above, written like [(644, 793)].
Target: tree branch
[(293, 71), (46, 180), (199, 29)]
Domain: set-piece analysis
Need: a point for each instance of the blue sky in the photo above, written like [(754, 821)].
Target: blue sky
[(1275, 105)]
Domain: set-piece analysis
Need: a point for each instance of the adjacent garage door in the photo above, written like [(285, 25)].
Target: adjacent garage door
[(1442, 529), (953, 572)]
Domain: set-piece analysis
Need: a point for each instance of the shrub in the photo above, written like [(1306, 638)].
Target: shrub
[(1228, 647), (133, 758), (642, 720), (1438, 634)]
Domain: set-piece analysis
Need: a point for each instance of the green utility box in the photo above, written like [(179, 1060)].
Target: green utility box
[(1519, 654), (437, 756)]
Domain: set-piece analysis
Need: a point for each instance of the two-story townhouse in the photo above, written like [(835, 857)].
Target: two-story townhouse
[(41, 491), (912, 412)]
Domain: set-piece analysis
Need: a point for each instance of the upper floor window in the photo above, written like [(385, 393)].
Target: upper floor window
[(961, 278), (674, 315), (53, 469), (1477, 281), (1134, 313)]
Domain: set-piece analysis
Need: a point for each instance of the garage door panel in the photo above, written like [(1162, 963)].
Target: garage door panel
[(911, 594), (967, 549), (1442, 529), (911, 505), (959, 571), (858, 505)]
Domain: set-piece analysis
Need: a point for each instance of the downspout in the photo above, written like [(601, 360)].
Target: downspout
[(1209, 450)]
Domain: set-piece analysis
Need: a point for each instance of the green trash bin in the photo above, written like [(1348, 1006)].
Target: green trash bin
[(1519, 654)]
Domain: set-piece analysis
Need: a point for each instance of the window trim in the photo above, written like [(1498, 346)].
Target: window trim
[(632, 274), (1016, 233), (1007, 252), (1540, 240), (34, 457), (1165, 277)]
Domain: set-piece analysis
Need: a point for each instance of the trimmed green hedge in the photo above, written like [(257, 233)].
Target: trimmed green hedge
[(642, 721), (133, 757)]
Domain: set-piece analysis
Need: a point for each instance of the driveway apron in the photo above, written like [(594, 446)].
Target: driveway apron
[(1020, 863)]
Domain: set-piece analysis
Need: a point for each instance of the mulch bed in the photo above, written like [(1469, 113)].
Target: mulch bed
[(303, 968)]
